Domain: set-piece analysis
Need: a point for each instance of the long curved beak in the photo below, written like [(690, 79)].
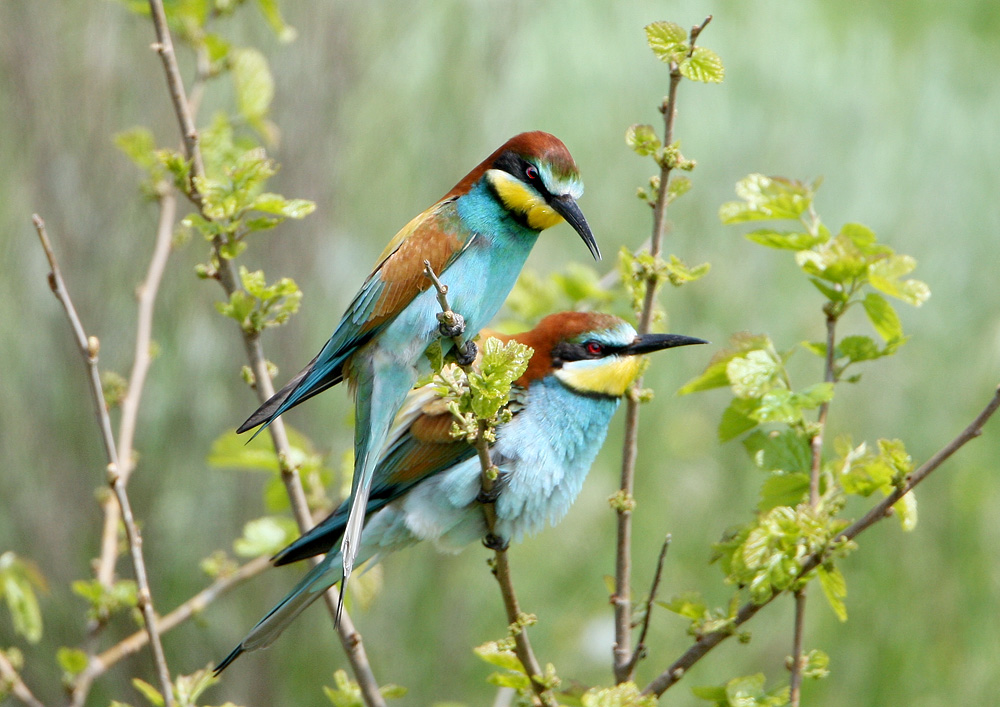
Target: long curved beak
[(566, 207), (647, 343)]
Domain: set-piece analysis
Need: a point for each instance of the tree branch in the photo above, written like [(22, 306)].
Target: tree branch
[(89, 347), (10, 676), (146, 294), (624, 660), (350, 639), (516, 619), (707, 642)]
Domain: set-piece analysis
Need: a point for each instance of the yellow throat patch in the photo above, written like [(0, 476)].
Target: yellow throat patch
[(520, 199), (608, 376)]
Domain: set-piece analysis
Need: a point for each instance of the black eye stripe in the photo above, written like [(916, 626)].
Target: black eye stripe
[(565, 351), (512, 163)]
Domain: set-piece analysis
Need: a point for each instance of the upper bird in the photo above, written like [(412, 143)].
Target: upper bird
[(476, 238), (427, 483)]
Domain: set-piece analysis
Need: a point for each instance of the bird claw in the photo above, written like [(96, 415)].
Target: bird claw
[(490, 496), (466, 355), (451, 324), (495, 542)]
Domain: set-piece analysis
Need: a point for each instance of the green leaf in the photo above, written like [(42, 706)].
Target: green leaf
[(254, 83), (883, 317), (493, 653), (858, 348), (73, 661), (884, 275), (906, 509), (666, 39), (265, 536), (690, 605), (786, 452), (271, 12), (752, 375), (817, 665), (783, 490), (139, 146), (678, 186), (625, 694), (767, 198), (642, 139), (703, 65), (714, 375), (834, 589), (737, 419), (18, 581), (289, 208), (149, 692), (786, 240)]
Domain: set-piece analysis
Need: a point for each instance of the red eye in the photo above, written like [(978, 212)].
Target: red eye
[(594, 348), (531, 173)]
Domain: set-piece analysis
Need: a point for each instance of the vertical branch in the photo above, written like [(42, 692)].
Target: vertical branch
[(816, 447), (516, 619), (624, 663), (350, 639), (89, 348), (146, 294)]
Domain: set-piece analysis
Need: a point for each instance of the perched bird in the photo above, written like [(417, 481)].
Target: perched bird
[(427, 483), (476, 240)]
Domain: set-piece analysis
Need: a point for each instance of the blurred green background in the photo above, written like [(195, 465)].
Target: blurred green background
[(382, 107)]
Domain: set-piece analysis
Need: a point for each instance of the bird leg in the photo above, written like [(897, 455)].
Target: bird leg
[(490, 496), (466, 355), (451, 324)]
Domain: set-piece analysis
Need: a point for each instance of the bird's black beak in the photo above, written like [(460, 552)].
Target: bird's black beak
[(566, 207), (647, 343)]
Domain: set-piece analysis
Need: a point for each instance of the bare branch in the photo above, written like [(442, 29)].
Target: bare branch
[(146, 294), (795, 681), (89, 347), (707, 642), (640, 646), (10, 676)]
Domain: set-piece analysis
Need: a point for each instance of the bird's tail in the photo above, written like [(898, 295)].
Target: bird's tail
[(320, 578)]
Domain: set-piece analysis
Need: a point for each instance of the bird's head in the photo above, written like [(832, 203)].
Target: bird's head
[(535, 178), (591, 353)]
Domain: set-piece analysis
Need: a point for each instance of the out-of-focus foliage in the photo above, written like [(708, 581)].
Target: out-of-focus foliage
[(380, 111)]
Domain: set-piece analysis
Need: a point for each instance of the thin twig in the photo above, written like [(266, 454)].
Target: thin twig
[(226, 275), (89, 347), (795, 681), (12, 679), (100, 664), (708, 641), (516, 619), (640, 646), (623, 653), (816, 448), (146, 294), (165, 48)]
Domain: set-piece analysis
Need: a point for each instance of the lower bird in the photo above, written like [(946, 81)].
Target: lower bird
[(427, 483)]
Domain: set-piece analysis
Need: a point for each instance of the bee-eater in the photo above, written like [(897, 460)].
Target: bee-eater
[(476, 239), (427, 483)]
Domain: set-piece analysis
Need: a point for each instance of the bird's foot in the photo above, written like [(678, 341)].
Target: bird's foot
[(451, 324), (490, 496), (466, 355), (495, 542)]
